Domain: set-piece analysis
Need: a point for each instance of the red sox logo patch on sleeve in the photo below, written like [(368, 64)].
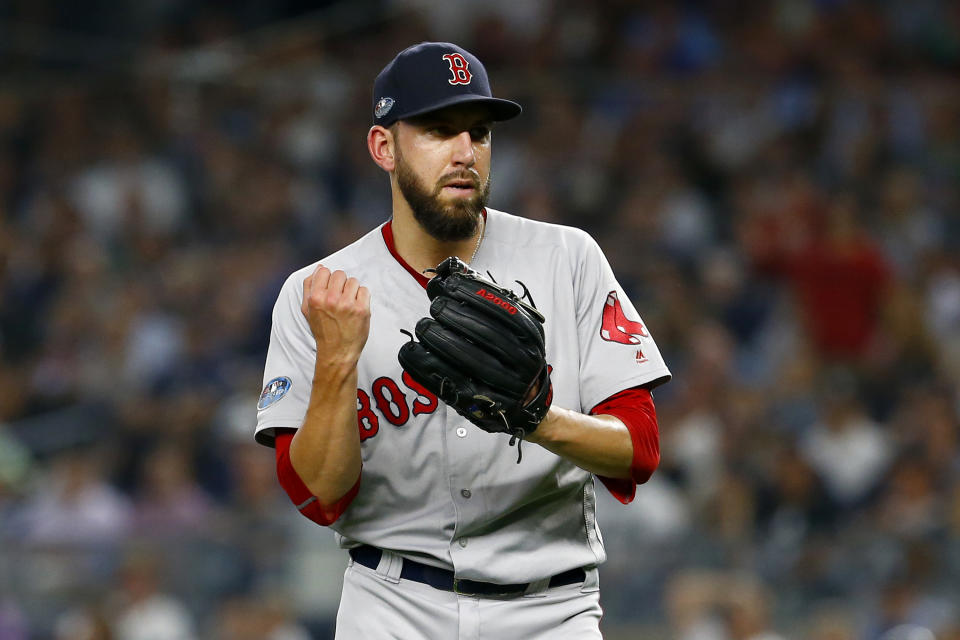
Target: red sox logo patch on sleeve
[(615, 327), (459, 69)]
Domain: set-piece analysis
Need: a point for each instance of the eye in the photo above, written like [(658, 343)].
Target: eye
[(480, 133), (440, 131)]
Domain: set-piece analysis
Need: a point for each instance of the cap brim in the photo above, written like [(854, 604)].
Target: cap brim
[(499, 108)]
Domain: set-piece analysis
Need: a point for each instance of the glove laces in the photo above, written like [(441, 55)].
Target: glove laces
[(516, 436)]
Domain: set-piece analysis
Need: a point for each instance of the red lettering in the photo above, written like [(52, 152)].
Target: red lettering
[(367, 421), (419, 404), (486, 295), (397, 400), (391, 403)]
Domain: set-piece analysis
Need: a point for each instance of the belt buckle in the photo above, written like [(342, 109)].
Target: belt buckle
[(461, 592)]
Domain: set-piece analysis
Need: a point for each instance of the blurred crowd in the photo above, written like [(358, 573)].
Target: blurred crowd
[(774, 183)]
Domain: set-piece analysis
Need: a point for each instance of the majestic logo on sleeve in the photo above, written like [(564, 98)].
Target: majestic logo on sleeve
[(615, 327), (271, 394), (459, 69)]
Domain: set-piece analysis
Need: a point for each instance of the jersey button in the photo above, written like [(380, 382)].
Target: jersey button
[(462, 542), (465, 493), (462, 432)]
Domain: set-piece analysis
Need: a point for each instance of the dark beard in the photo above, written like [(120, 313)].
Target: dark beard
[(445, 222)]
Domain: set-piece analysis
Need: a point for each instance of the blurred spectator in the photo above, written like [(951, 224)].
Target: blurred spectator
[(74, 503), (83, 624), (169, 500), (126, 191), (154, 344), (256, 618), (942, 314), (143, 611), (832, 622), (912, 231), (905, 612), (845, 447), (911, 504), (794, 512), (15, 465), (838, 276), (13, 622), (704, 605)]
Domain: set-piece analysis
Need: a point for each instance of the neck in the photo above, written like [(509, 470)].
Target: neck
[(421, 250)]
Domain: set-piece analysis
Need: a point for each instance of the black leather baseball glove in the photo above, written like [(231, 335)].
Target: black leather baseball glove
[(481, 352)]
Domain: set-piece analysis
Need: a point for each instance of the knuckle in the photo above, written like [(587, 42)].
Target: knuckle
[(318, 295)]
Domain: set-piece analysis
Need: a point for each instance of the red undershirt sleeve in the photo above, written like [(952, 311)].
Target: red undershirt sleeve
[(634, 407), (306, 502)]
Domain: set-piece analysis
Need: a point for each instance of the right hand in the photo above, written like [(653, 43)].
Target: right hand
[(337, 309)]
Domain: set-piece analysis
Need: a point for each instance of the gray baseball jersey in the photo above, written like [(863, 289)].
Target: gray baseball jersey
[(434, 487)]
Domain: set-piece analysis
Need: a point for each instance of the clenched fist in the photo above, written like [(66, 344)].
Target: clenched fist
[(338, 311)]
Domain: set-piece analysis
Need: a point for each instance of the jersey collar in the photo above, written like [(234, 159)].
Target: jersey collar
[(387, 231)]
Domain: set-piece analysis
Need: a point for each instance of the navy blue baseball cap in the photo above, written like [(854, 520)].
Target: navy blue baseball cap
[(431, 76)]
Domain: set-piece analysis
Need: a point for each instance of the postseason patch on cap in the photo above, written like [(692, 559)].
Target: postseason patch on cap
[(273, 392), (383, 107)]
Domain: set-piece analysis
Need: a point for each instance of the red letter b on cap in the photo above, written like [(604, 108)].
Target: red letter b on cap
[(458, 67)]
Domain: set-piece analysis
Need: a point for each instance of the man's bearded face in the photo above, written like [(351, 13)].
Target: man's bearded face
[(446, 219)]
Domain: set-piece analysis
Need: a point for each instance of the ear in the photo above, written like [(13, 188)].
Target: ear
[(380, 144)]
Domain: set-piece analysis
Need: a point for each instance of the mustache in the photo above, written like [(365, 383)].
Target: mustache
[(459, 176)]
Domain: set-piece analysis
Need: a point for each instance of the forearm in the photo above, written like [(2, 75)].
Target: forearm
[(325, 452), (600, 444)]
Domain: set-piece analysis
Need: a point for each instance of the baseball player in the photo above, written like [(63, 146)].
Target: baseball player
[(448, 535)]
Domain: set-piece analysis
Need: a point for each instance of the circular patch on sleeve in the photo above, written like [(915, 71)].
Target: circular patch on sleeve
[(275, 389)]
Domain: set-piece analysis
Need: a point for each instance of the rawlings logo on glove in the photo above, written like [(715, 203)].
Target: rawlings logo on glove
[(482, 352)]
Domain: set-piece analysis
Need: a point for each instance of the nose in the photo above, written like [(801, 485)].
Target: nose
[(463, 152)]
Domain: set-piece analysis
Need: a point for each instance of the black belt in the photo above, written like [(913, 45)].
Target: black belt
[(444, 578)]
